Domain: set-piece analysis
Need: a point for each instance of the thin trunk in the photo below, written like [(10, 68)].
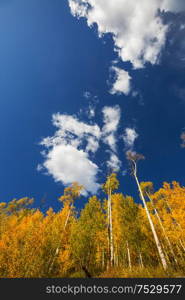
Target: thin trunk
[(57, 249), (162, 227), (141, 260), (53, 260), (67, 218), (159, 248), (116, 256), (117, 261), (179, 251), (111, 232), (165, 253), (171, 211), (177, 223), (182, 245), (103, 260), (108, 232), (129, 258)]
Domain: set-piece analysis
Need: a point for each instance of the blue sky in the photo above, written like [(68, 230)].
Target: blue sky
[(53, 63)]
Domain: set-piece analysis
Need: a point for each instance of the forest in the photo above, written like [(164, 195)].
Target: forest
[(111, 237)]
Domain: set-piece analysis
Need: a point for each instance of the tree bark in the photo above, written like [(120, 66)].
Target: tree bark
[(159, 248), (162, 227), (129, 258), (182, 245), (111, 231), (141, 260), (67, 219)]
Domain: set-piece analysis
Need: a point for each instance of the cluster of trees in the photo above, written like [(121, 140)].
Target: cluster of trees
[(114, 236)]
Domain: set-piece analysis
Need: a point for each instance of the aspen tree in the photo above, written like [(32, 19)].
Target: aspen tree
[(128, 253), (88, 237), (133, 158), (147, 188), (141, 260), (170, 200), (110, 185), (70, 194)]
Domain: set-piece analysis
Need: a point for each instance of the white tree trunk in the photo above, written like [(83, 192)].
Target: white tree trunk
[(171, 211), (67, 218), (182, 245), (57, 249), (103, 260), (179, 251), (108, 232), (129, 258), (159, 248), (141, 260), (162, 227), (111, 231)]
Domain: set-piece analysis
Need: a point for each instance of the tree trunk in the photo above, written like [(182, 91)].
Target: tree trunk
[(141, 260), (159, 248), (103, 260), (111, 232), (67, 218), (57, 249), (129, 258), (179, 251), (108, 233), (162, 227), (182, 245)]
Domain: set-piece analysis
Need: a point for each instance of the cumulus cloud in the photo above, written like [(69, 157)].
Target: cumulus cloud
[(72, 125), (129, 137), (111, 118), (68, 154), (92, 144), (90, 111), (173, 5), (87, 95), (67, 164), (137, 28), (114, 163), (65, 161), (122, 82)]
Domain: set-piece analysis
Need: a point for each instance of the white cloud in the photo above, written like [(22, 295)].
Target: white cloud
[(67, 164), (129, 137), (92, 144), (122, 82), (111, 118), (78, 9), (114, 163), (91, 112), (173, 5), (87, 95), (66, 161), (72, 125), (137, 28)]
